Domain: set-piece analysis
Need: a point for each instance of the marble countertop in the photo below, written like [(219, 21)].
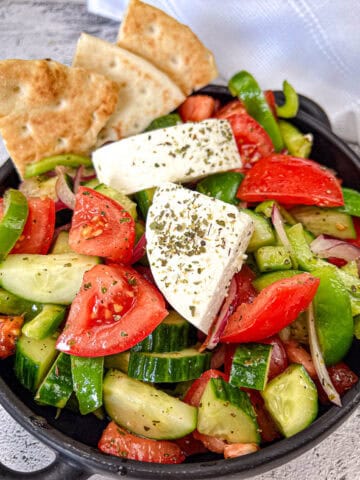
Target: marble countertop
[(50, 28)]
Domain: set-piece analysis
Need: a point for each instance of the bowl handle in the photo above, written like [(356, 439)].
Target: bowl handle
[(58, 470)]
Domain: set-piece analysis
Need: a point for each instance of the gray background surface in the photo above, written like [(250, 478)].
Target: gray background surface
[(43, 29)]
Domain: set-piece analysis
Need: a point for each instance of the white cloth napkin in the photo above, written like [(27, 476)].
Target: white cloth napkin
[(314, 45)]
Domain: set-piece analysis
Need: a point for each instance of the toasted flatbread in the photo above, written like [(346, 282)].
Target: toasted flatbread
[(168, 44), (47, 108), (145, 92)]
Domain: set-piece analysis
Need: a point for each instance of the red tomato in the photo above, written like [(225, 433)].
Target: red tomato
[(100, 226), (252, 140), (39, 227), (278, 360), (194, 394), (231, 108), (239, 449), (356, 241), (274, 308), (291, 180), (342, 377), (268, 429), (114, 309), (197, 108), (339, 262), (190, 445), (10, 328), (270, 98), (213, 444), (121, 443), (245, 293)]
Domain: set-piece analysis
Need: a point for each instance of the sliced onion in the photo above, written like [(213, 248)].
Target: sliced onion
[(332, 247), (318, 359), (63, 191), (63, 228), (139, 249), (59, 205), (78, 178), (278, 223), (220, 322)]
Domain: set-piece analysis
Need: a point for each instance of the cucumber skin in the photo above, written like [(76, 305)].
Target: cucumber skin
[(269, 278), (146, 411), (45, 323), (57, 386), (298, 372), (227, 395), (263, 232), (148, 367), (28, 371), (169, 336), (87, 377), (11, 304), (250, 365)]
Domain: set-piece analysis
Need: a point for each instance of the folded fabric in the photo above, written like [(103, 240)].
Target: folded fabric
[(314, 45)]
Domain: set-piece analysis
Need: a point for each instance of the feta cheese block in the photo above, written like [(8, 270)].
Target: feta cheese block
[(195, 244), (182, 153)]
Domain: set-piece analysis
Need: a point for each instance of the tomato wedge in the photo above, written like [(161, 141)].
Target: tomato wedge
[(274, 308), (197, 108), (291, 181), (39, 227), (121, 443), (114, 309), (194, 394), (231, 108), (10, 329), (100, 226)]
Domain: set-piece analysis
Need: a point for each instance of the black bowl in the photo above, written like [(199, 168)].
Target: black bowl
[(74, 438)]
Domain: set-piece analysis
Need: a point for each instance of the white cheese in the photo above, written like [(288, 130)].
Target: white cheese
[(182, 153), (195, 244)]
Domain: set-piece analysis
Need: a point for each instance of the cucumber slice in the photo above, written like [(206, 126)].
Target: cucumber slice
[(328, 221), (291, 399), (266, 208), (45, 323), (146, 411), (263, 232), (250, 365), (39, 187), (87, 375), (271, 259), (57, 386), (144, 200), (168, 367), (173, 334), (268, 278), (33, 360), (61, 244), (45, 278), (120, 361), (11, 304), (119, 197), (226, 412)]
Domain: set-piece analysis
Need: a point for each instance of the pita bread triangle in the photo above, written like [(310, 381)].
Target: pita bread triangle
[(47, 108), (145, 92), (168, 44)]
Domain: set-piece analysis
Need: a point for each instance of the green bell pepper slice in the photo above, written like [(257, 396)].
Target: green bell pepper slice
[(296, 142), (223, 186), (49, 163), (333, 318), (11, 304), (244, 86), (12, 224), (290, 107), (165, 121), (87, 374), (352, 202)]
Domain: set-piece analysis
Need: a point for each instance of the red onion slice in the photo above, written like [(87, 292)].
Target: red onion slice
[(278, 223), (139, 249), (78, 178), (318, 359), (63, 191), (332, 247), (220, 322)]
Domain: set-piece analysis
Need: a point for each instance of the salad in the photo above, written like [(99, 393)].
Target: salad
[(203, 292)]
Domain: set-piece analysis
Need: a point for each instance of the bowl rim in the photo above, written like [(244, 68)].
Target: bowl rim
[(92, 460)]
